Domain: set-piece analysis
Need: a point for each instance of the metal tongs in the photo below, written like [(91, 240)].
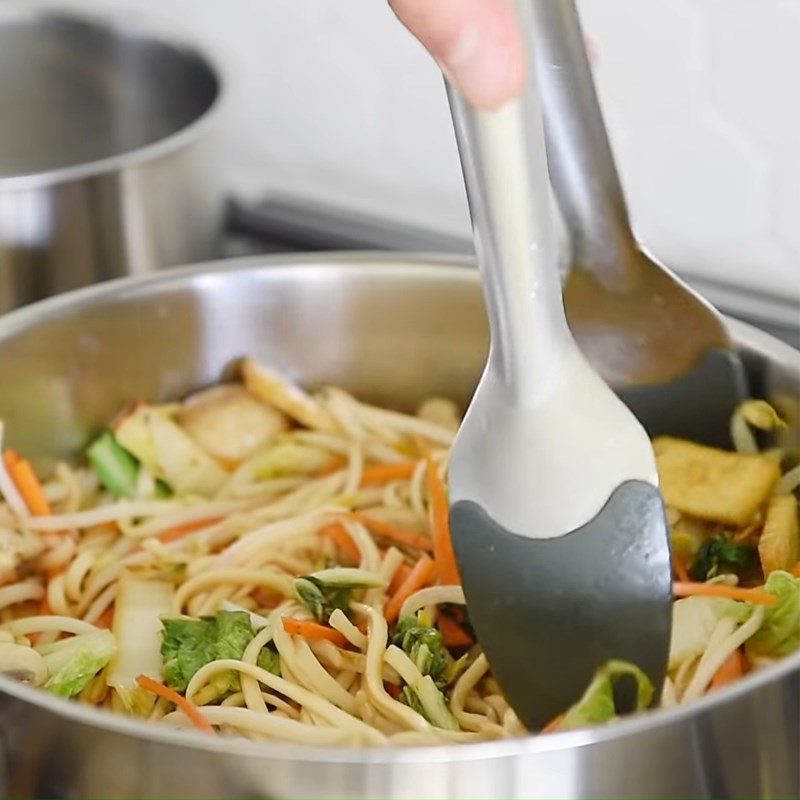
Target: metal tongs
[(558, 525)]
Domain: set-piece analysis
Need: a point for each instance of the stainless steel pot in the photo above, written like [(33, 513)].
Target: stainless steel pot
[(106, 164), (395, 330)]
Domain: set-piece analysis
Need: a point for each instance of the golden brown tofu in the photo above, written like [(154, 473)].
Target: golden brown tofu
[(779, 546), (712, 484)]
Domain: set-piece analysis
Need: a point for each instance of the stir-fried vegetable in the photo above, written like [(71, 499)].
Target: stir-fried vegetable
[(140, 604), (426, 699), (693, 622), (597, 704), (779, 634), (324, 591), (720, 555), (423, 644), (73, 662), (189, 644), (117, 469)]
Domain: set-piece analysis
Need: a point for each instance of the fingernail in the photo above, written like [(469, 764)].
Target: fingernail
[(488, 76)]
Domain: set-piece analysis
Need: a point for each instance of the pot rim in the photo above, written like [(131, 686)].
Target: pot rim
[(119, 26), (420, 266)]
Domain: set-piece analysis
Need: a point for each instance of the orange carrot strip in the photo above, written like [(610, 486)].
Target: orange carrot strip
[(312, 631), (375, 474), (796, 570), (178, 532), (733, 668), (10, 459), (401, 536), (757, 596), (453, 635), (343, 541), (106, 618), (29, 487), (679, 568), (267, 599), (440, 525), (419, 576), (336, 463), (188, 708), (400, 575), (553, 724)]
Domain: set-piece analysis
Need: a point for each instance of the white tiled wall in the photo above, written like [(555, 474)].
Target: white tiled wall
[(332, 98)]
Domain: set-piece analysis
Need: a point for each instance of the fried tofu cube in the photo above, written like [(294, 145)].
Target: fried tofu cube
[(779, 545), (712, 484)]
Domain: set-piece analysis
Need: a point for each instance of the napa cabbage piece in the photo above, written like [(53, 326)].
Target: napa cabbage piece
[(169, 452), (779, 545), (287, 457), (712, 484), (139, 606), (779, 633), (190, 643), (73, 662), (117, 469), (693, 622), (325, 591), (597, 704)]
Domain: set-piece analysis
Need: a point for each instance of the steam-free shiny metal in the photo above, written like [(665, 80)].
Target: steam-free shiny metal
[(637, 322), (106, 165), (394, 329)]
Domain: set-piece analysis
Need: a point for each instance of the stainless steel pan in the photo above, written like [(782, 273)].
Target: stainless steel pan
[(106, 165), (393, 329)]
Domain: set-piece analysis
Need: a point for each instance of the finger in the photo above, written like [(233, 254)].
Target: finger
[(477, 44)]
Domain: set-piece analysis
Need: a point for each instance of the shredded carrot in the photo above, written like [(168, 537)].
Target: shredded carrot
[(375, 474), (419, 576), (228, 464), (334, 465), (401, 536), (178, 532), (29, 487), (188, 708), (313, 631), (679, 568), (343, 541), (796, 570), (733, 668), (440, 525), (392, 689), (267, 599), (453, 635), (553, 724), (400, 575), (10, 459), (106, 618), (757, 596)]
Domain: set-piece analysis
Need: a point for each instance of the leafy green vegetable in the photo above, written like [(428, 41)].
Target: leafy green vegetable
[(693, 622), (269, 660), (189, 644), (324, 591), (426, 699), (718, 553), (423, 644), (117, 469), (73, 662), (597, 704), (779, 634)]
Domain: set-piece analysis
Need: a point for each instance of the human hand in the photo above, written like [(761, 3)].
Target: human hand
[(477, 44)]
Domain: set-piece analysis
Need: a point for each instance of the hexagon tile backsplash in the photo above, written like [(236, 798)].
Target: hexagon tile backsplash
[(334, 100)]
